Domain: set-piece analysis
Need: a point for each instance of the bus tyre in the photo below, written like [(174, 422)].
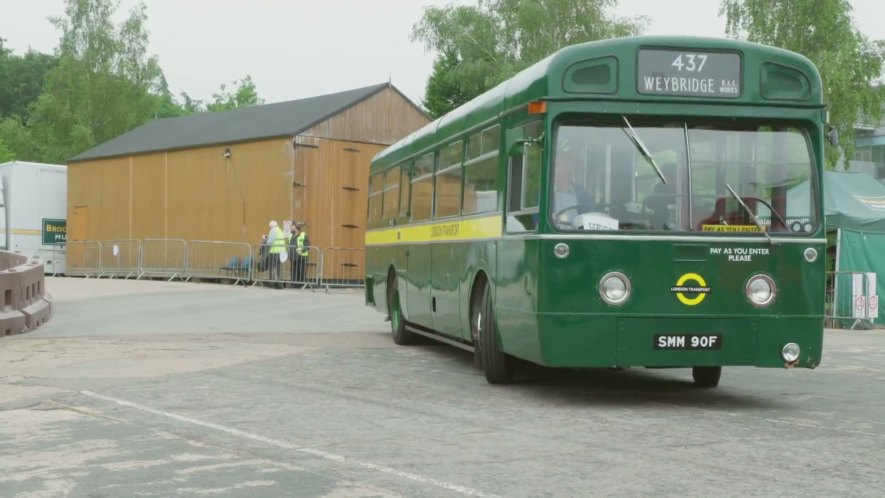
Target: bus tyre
[(497, 366), (476, 317), (706, 376), (401, 336)]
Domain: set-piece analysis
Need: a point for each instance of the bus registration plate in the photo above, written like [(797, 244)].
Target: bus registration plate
[(688, 341)]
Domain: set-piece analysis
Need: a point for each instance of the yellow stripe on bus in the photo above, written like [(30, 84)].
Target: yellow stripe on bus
[(487, 227), (20, 231)]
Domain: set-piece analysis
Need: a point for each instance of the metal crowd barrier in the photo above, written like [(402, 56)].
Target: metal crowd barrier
[(342, 267), (219, 260), (286, 268), (163, 258), (240, 262), (309, 276), (851, 299), (267, 267), (121, 258), (83, 258)]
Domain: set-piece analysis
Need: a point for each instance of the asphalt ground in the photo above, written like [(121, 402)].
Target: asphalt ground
[(174, 389)]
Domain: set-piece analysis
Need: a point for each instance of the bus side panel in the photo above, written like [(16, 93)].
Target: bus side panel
[(445, 273), (516, 297), (376, 278), (475, 257), (418, 285)]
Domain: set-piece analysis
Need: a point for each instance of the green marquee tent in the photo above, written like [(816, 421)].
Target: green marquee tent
[(855, 209), (854, 201)]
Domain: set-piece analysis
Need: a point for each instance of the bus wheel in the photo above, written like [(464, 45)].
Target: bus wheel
[(476, 319), (706, 376), (497, 366), (401, 336)]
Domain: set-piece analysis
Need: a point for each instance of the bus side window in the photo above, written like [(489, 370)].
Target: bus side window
[(523, 192), (390, 196), (376, 185), (514, 192), (447, 191), (405, 192), (422, 188), (481, 190), (531, 184)]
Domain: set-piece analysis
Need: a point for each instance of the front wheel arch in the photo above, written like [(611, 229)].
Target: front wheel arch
[(496, 364), (401, 335)]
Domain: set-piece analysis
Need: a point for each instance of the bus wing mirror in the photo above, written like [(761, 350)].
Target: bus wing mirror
[(833, 136), (515, 140)]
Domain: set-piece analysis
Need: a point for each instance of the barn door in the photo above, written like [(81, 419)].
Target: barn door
[(79, 222)]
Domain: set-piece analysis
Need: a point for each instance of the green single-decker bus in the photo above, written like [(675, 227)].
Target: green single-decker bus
[(634, 202)]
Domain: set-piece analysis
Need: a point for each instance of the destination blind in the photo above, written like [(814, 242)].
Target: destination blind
[(689, 73)]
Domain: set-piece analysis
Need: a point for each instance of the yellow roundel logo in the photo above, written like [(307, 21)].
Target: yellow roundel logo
[(682, 288)]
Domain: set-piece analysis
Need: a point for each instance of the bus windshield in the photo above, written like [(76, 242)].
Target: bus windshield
[(683, 177)]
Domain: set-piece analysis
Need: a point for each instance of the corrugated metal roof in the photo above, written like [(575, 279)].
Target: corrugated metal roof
[(237, 125), (28, 164)]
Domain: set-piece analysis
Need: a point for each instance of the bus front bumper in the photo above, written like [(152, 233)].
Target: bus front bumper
[(605, 341)]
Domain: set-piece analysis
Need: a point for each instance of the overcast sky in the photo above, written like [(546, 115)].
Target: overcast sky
[(302, 48)]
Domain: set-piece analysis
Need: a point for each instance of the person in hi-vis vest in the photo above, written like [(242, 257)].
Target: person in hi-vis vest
[(298, 244), (276, 242)]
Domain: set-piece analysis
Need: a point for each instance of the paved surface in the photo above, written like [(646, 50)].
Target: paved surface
[(209, 390)]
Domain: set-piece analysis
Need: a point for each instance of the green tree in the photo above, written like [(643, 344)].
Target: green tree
[(245, 95), (22, 80), (166, 106), (6, 155), (823, 31), (482, 45), (191, 105), (443, 91), (103, 85), (17, 138)]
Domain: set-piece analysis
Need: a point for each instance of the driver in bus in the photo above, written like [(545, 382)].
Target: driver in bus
[(569, 198)]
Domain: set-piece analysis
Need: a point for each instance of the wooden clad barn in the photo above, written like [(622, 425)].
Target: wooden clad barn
[(223, 176)]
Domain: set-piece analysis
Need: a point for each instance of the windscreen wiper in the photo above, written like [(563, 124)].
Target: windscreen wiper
[(634, 137), (749, 212)]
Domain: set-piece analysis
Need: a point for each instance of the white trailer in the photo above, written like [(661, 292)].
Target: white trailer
[(33, 212)]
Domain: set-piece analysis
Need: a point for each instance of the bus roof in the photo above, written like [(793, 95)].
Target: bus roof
[(545, 80)]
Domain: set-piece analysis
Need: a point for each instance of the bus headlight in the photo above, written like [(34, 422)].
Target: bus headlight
[(614, 288), (810, 254), (761, 290), (790, 352)]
